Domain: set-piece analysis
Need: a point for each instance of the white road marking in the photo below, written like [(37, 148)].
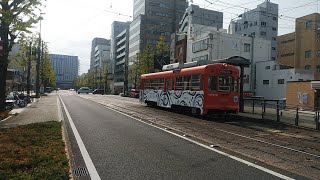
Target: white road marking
[(87, 160), (60, 115), (212, 149)]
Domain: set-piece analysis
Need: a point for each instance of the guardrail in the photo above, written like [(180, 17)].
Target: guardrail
[(278, 110)]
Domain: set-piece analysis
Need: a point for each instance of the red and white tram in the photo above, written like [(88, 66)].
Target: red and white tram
[(203, 89)]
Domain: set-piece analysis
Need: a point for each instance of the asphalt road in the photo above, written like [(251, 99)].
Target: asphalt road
[(123, 148)]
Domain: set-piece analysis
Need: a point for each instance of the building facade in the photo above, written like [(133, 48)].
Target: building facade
[(193, 16), (95, 42), (261, 22), (211, 44), (116, 28), (121, 62), (272, 79), (66, 69), (301, 49), (150, 20), (196, 15)]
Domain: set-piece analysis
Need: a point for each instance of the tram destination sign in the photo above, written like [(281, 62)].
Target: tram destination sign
[(225, 71)]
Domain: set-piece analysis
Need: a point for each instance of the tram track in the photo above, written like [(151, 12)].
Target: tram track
[(299, 154)]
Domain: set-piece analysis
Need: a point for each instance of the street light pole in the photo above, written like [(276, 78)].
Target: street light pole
[(100, 78), (38, 63)]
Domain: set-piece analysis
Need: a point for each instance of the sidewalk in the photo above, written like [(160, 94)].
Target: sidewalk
[(43, 110)]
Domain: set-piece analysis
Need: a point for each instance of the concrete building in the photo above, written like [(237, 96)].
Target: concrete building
[(261, 22), (301, 49), (194, 15), (95, 42), (66, 69), (116, 28), (150, 20), (272, 79), (102, 57), (209, 44), (121, 62)]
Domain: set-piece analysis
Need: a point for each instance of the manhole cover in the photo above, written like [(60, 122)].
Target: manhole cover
[(81, 171)]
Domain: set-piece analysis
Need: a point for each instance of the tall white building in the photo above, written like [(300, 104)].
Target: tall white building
[(261, 22)]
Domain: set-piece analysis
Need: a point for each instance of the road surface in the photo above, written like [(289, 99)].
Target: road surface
[(121, 147)]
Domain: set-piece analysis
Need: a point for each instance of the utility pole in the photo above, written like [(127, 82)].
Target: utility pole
[(42, 65), (125, 85), (29, 69), (100, 78), (38, 70), (38, 63)]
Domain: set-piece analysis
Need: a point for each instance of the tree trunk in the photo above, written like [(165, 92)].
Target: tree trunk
[(4, 32), (3, 77)]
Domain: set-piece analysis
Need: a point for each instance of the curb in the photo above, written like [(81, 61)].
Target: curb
[(6, 119), (65, 138)]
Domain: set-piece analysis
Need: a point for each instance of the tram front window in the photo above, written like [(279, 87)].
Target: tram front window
[(224, 84)]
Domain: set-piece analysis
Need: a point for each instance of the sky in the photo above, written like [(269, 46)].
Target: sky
[(68, 26)]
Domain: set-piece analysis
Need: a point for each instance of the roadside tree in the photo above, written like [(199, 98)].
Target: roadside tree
[(16, 16)]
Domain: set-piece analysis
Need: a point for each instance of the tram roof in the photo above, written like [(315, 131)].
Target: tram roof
[(234, 60)]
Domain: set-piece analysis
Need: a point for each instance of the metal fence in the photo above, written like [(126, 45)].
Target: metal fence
[(278, 110)]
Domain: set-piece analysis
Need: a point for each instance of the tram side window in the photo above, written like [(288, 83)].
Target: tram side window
[(212, 83), (168, 84), (161, 84), (186, 82), (224, 84), (147, 84), (155, 84), (195, 82), (235, 84), (179, 83)]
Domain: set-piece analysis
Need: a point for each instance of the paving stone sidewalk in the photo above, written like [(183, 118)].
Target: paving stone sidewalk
[(43, 110)]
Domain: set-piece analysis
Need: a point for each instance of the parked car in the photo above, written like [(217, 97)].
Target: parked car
[(84, 90), (98, 91), (134, 93)]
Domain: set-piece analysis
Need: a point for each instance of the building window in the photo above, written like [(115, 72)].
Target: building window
[(300, 79), (307, 67), (253, 34), (273, 58), (180, 51), (246, 47), (274, 18), (273, 38), (273, 48), (308, 24), (280, 81), (264, 24), (274, 29), (267, 67), (318, 68), (200, 45), (263, 33), (265, 82), (307, 54)]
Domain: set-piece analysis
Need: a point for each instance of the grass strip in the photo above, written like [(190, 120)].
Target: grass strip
[(34, 151)]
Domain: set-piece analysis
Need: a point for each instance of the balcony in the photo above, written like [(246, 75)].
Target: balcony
[(121, 55)]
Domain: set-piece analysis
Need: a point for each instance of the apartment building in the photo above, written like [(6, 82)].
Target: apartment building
[(301, 49), (261, 22)]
